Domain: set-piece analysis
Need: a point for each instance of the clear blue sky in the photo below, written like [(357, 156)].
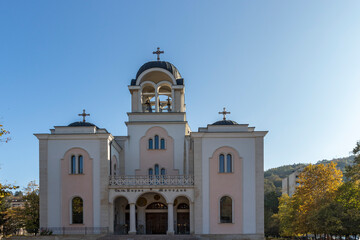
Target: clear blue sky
[(289, 67)]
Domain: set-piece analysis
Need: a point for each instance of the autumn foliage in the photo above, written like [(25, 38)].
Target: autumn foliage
[(3, 132), (322, 204)]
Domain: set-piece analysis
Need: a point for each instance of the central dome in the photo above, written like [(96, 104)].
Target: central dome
[(159, 64)]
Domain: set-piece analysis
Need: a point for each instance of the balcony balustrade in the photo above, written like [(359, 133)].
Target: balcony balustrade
[(152, 180)]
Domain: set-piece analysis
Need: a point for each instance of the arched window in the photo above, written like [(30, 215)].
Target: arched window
[(73, 165), (156, 169), (162, 171), (150, 143), (115, 169), (156, 205), (80, 164), (156, 142), (183, 206), (77, 210), (225, 210), (162, 143), (151, 171), (228, 163), (221, 163)]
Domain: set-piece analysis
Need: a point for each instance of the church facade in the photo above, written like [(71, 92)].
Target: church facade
[(162, 178)]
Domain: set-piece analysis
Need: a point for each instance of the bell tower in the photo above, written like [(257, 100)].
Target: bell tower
[(157, 88), (157, 115)]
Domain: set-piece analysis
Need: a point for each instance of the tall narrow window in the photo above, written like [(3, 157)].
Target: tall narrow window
[(150, 143), (80, 164), (156, 142), (221, 163), (163, 177), (228, 163), (151, 172), (225, 210), (73, 165), (162, 143), (156, 169), (114, 169), (77, 210)]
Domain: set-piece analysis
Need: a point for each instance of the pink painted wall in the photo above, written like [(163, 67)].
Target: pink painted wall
[(150, 157), (221, 185), (77, 185)]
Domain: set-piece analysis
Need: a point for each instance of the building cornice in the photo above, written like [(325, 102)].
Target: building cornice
[(116, 145), (155, 122), (156, 113), (228, 134), (77, 136)]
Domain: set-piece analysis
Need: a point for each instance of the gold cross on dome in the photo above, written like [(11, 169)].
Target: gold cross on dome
[(83, 114), (158, 52), (224, 112)]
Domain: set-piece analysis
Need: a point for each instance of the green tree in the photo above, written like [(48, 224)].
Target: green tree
[(18, 194), (4, 206), (287, 216), (31, 208), (317, 185), (14, 221), (312, 208), (5, 189), (348, 198), (327, 219), (271, 207), (353, 172)]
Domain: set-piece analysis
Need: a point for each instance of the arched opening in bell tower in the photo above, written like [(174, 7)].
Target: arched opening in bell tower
[(156, 97), (158, 88), (148, 98), (165, 98)]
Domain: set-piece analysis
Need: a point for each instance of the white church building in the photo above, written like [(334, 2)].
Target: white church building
[(162, 178)]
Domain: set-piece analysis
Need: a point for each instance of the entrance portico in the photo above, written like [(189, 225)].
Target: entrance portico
[(155, 211)]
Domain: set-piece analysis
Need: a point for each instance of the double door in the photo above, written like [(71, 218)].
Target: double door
[(156, 223)]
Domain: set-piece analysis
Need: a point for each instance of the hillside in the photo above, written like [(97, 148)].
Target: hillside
[(273, 176), (272, 187)]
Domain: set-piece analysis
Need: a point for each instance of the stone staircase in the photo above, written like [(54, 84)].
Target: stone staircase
[(148, 237)]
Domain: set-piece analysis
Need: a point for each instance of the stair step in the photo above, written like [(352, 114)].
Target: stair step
[(148, 237)]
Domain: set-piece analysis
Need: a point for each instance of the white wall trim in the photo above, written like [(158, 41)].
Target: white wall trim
[(138, 80)]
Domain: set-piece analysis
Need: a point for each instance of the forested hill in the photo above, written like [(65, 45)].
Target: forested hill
[(272, 187), (273, 176)]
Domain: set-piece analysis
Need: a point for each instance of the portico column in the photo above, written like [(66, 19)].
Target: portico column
[(132, 219), (156, 100), (191, 216), (170, 219), (111, 217)]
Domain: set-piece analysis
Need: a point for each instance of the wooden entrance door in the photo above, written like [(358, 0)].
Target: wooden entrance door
[(156, 223), (183, 223)]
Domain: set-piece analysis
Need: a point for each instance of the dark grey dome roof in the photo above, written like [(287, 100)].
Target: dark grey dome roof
[(159, 64), (81, 124), (225, 122)]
